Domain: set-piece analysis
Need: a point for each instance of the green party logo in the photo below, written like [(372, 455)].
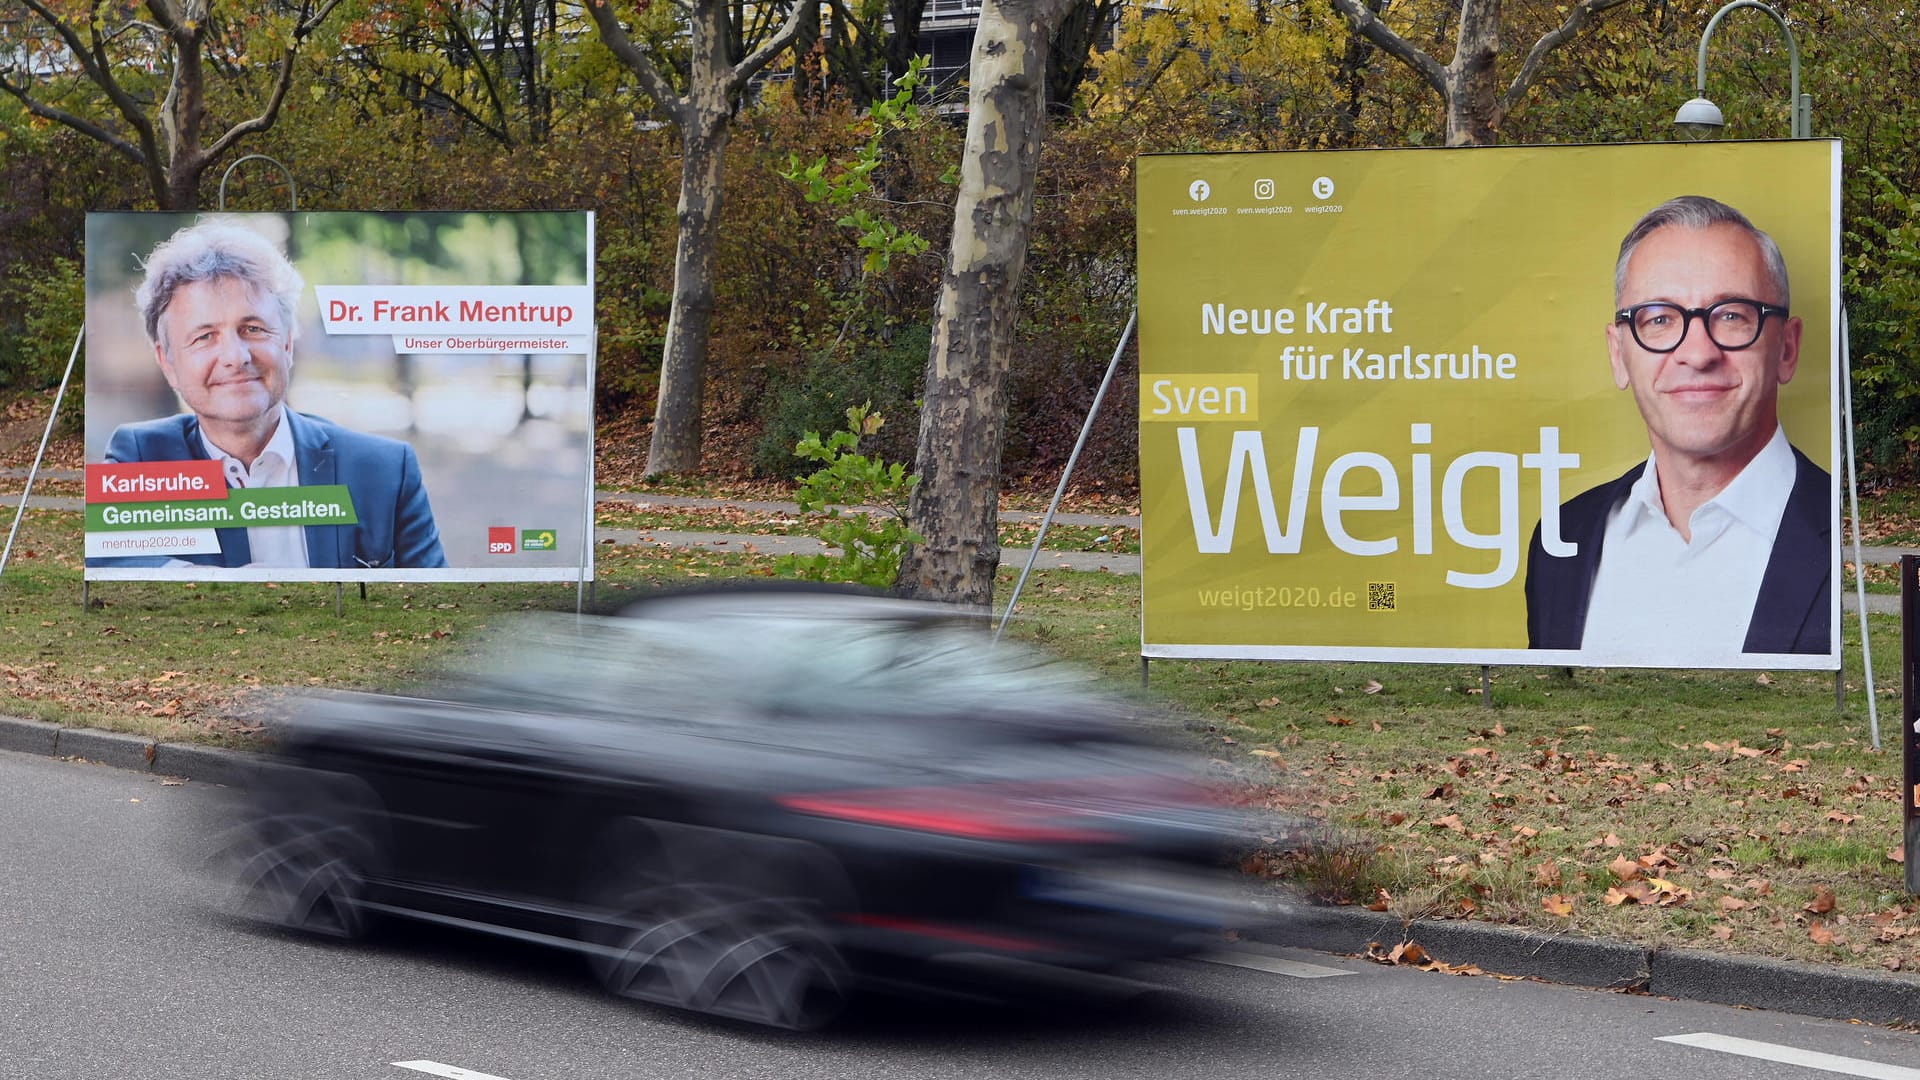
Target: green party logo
[(538, 540)]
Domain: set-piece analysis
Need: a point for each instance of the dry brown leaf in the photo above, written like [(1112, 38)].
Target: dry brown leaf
[(1339, 721), (1547, 874), (1557, 905), (1821, 903), (1820, 934), (1624, 868), (1730, 903), (1897, 853), (1407, 952), (1667, 894), (1451, 821), (1267, 703), (1723, 932), (1615, 898), (1381, 900), (1373, 687)]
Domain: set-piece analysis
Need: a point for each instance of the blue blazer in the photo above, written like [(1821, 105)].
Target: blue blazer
[(396, 529), (1792, 614)]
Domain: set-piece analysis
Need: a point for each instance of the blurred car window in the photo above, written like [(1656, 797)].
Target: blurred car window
[(773, 667)]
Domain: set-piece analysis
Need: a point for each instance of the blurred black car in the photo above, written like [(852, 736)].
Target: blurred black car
[(749, 804)]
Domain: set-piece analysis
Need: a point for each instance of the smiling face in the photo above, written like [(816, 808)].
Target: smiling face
[(1705, 406), (224, 351)]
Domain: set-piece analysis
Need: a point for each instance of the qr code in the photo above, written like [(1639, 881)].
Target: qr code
[(1380, 596)]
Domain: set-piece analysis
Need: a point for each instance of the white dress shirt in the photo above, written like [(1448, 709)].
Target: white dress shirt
[(272, 545), (1660, 599)]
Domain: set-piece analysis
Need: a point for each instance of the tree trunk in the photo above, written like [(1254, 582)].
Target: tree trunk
[(675, 446), (963, 422), (1473, 78)]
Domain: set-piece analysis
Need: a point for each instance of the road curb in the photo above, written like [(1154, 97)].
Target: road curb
[(201, 764), (1786, 987), (1690, 974)]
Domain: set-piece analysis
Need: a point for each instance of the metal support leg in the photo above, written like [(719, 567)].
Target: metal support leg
[(1486, 686), (338, 589), (1143, 673)]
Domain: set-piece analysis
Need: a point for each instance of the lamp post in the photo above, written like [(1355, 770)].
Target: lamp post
[(1703, 115)]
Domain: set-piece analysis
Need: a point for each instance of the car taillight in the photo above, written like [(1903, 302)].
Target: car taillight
[(1015, 813)]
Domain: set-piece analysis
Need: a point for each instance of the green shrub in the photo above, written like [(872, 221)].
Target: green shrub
[(886, 375), (864, 501), (53, 301)]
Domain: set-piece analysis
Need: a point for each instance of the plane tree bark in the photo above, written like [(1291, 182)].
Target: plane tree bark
[(713, 80), (98, 68), (1469, 84), (963, 421)]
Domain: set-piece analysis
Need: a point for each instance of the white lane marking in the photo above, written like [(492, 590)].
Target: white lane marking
[(451, 1072), (1793, 1055), (1273, 964)]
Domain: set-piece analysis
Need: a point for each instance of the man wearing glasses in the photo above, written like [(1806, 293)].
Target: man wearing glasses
[(1720, 543), (219, 303)]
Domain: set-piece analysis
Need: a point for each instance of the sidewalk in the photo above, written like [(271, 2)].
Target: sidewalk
[(1094, 561)]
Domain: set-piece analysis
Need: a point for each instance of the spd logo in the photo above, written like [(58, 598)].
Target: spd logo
[(500, 540), (537, 540)]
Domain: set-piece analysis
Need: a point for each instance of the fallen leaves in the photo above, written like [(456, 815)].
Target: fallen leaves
[(1411, 954), (1557, 904)]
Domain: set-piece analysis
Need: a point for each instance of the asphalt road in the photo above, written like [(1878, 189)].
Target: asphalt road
[(114, 967)]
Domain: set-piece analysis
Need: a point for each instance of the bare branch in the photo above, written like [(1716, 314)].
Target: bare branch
[(638, 60), (282, 81), (98, 68), (773, 46), (459, 30), (1368, 25), (1577, 20), (77, 123)]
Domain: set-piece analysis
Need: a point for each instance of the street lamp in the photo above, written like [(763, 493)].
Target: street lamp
[(1701, 116)]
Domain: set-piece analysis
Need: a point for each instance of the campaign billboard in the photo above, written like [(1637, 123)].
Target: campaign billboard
[(339, 396), (1515, 405)]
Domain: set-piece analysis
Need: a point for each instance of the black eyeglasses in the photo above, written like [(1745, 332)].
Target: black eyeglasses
[(1660, 327)]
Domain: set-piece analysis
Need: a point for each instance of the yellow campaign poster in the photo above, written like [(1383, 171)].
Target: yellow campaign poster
[(1540, 405)]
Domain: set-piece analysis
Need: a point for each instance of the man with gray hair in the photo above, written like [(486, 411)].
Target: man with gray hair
[(220, 304), (1720, 543)]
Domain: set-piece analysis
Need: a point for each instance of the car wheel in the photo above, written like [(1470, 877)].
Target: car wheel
[(713, 950), (302, 872)]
